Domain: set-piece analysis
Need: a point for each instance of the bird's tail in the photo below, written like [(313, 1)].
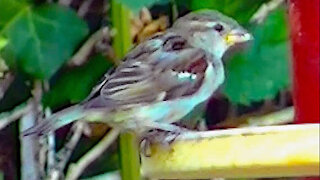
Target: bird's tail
[(56, 121)]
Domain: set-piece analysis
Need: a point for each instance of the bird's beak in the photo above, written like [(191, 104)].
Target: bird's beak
[(237, 36)]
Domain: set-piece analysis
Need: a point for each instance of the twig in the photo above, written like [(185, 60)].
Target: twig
[(48, 145), (76, 169), (283, 116), (8, 117), (65, 2), (64, 154), (51, 145), (29, 149), (43, 150), (265, 10), (5, 83), (82, 55), (84, 8), (51, 151), (30, 168)]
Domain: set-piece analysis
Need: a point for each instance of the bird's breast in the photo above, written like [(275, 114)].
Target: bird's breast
[(173, 110)]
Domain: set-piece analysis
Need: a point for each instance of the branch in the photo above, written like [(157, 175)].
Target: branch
[(264, 10), (84, 8), (82, 55), (9, 117), (30, 167), (29, 149), (64, 154), (284, 116), (51, 146), (65, 2), (76, 169)]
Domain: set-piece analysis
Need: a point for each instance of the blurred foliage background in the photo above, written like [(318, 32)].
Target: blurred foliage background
[(66, 46)]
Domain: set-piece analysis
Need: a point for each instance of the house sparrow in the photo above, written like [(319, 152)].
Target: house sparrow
[(160, 80)]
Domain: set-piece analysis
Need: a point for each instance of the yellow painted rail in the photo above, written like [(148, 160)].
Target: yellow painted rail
[(271, 151)]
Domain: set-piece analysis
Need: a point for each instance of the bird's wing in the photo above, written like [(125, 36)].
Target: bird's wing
[(163, 68)]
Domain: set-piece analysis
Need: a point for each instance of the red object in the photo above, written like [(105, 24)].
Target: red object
[(310, 178), (304, 22)]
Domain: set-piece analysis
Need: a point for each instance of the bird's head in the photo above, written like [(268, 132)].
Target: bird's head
[(211, 31)]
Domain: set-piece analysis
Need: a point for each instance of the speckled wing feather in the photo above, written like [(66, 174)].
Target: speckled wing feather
[(163, 68)]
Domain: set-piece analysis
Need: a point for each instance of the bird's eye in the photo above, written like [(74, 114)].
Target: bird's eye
[(218, 27)]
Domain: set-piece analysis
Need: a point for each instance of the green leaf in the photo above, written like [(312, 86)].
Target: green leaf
[(137, 5), (74, 85), (12, 10), (262, 71), (41, 39), (3, 42), (240, 10)]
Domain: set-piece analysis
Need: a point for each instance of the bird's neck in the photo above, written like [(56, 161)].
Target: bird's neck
[(218, 67), (217, 50)]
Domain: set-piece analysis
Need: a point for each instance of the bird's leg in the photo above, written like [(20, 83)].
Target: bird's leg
[(196, 124), (161, 133), (147, 140), (165, 127)]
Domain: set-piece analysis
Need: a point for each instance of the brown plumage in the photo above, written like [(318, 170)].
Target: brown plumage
[(160, 80)]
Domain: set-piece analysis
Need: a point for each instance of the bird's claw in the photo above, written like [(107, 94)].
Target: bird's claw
[(156, 136)]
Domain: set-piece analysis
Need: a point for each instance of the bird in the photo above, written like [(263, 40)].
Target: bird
[(160, 80)]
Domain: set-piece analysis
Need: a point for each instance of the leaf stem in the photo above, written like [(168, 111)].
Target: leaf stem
[(130, 162)]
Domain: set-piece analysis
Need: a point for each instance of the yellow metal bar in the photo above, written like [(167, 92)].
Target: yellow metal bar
[(272, 151)]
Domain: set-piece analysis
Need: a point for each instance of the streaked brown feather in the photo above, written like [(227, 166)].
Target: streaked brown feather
[(150, 73)]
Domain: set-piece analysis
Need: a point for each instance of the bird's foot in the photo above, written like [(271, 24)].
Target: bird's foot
[(160, 137)]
